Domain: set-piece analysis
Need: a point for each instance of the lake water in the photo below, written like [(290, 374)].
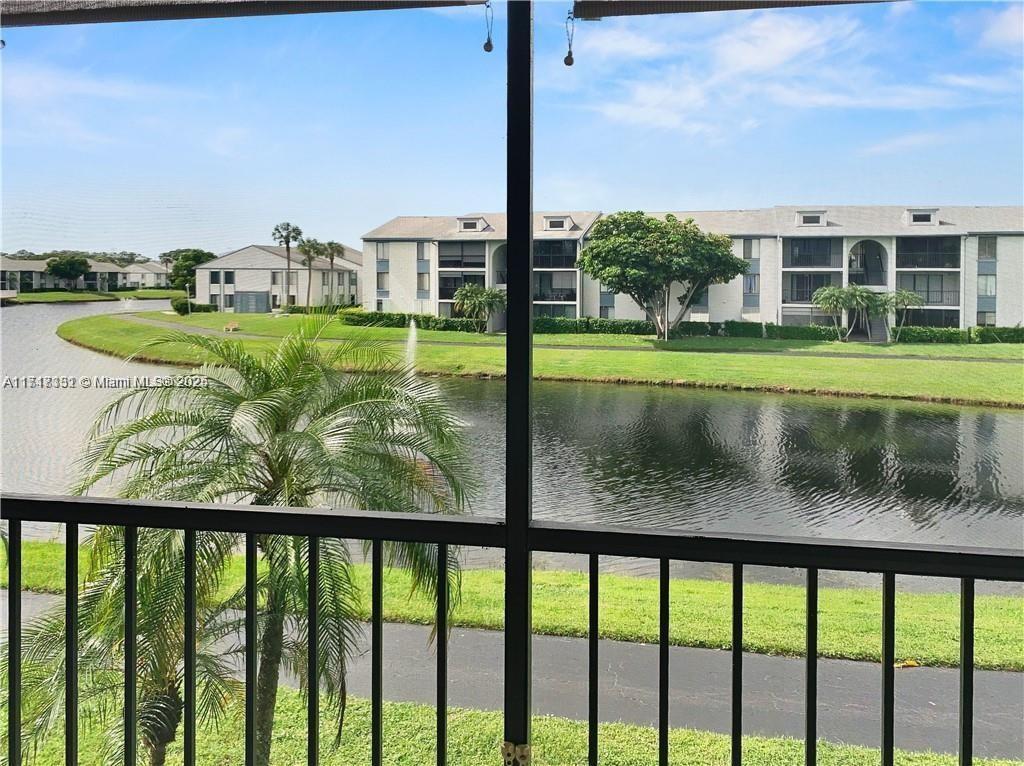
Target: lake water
[(638, 455)]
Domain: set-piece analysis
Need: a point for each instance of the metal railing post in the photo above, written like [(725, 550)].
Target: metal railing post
[(518, 437)]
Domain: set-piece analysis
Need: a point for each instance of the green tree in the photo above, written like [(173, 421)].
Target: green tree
[(863, 303), (899, 303), (284, 234), (479, 303), (834, 301), (68, 267), (183, 262), (310, 249), (285, 429), (643, 257), (333, 250)]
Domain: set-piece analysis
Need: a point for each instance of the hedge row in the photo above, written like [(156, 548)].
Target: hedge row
[(997, 335), (934, 335), (183, 306), (398, 319), (590, 325)]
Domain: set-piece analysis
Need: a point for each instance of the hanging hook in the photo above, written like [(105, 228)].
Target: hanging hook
[(489, 19), (570, 30)]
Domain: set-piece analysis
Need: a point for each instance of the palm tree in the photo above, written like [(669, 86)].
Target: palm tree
[(333, 250), (286, 429), (862, 302), (900, 302), (311, 249), (479, 303), (832, 300), (284, 234)]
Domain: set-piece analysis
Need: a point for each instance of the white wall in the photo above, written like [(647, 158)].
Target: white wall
[(1009, 281)]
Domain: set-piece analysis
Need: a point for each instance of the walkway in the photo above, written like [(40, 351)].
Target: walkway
[(132, 317), (849, 693)]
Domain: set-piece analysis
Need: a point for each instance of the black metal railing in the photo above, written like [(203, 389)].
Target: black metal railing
[(939, 297), (927, 260), (799, 294), (872, 277), (811, 555), (563, 296), (812, 261)]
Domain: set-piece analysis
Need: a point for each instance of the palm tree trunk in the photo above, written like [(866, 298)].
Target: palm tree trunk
[(309, 283), (287, 274), (158, 754), (270, 650)]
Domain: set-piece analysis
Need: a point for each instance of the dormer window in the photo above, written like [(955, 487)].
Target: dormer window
[(921, 217), (469, 225), (810, 218), (556, 223), (472, 224)]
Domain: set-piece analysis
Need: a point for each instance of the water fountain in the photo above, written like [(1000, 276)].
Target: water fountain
[(127, 304), (410, 345)]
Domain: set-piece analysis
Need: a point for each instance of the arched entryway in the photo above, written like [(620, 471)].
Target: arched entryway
[(868, 261)]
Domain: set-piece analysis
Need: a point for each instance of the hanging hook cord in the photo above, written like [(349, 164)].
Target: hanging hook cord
[(489, 18), (570, 28)]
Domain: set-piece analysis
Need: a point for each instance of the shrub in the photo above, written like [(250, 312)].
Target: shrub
[(398, 319), (744, 329), (183, 306), (558, 325), (619, 326), (696, 329), (800, 332), (997, 335), (933, 335)]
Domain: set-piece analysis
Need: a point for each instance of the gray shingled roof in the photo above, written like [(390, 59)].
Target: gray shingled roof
[(20, 264), (446, 227), (350, 260), (843, 220)]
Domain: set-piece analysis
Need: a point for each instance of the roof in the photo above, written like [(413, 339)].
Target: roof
[(153, 267), (25, 264), (781, 220), (446, 227), (349, 260)]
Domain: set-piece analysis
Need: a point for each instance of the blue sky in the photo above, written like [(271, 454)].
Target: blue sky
[(207, 133)]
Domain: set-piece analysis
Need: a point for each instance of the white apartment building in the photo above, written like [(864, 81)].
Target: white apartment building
[(145, 274), (252, 280), (967, 263), (18, 274)]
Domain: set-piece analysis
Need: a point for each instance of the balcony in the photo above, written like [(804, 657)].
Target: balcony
[(939, 297), (927, 260), (799, 294), (812, 261), (555, 296), (868, 278)]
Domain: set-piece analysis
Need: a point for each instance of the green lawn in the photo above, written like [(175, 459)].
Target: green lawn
[(849, 618), (278, 326), (474, 738), (996, 383), (80, 296)]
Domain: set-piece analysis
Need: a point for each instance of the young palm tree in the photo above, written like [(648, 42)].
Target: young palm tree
[(311, 249), (284, 234), (333, 250), (900, 303), (862, 302), (286, 429), (479, 303), (833, 301)]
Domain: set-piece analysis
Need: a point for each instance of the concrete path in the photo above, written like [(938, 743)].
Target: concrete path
[(782, 352), (773, 704)]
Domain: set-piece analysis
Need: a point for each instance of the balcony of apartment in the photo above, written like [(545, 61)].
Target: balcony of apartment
[(928, 253), (800, 288), (554, 287), (935, 289), (867, 265), (812, 253)]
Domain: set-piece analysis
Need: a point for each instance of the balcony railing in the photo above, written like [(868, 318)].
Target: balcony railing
[(812, 261), (868, 278), (563, 296), (889, 559), (939, 297), (799, 294), (927, 260)]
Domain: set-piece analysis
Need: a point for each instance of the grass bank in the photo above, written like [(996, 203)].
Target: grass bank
[(942, 380), (278, 326), (774, 619), (474, 736), (83, 296)]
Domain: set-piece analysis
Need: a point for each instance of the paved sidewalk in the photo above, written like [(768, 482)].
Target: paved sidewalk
[(849, 693)]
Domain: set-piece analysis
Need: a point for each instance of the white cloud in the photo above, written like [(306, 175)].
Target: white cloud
[(674, 103), (1004, 30), (36, 84), (905, 143), (226, 141), (617, 42)]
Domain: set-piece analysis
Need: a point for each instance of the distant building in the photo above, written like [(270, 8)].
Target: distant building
[(251, 280), (19, 275), (967, 263), (145, 274)]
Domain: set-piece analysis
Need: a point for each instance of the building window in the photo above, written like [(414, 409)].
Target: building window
[(275, 277), (554, 254), (933, 318), (229, 277), (751, 284), (291, 300), (449, 282), (986, 319), (228, 300), (325, 279), (986, 248), (556, 223), (423, 282), (920, 217), (214, 277), (566, 310), (380, 305), (275, 301), (748, 250), (421, 251), (811, 218), (383, 251), (382, 280), (607, 312), (986, 285), (927, 252), (469, 225), (461, 255)]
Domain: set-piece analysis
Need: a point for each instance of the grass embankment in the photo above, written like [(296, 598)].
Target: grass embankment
[(83, 296), (962, 382), (474, 736), (774, 618), (279, 326)]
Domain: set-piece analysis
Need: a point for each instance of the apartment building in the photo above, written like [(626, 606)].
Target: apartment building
[(18, 274), (252, 280), (145, 274), (966, 263)]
